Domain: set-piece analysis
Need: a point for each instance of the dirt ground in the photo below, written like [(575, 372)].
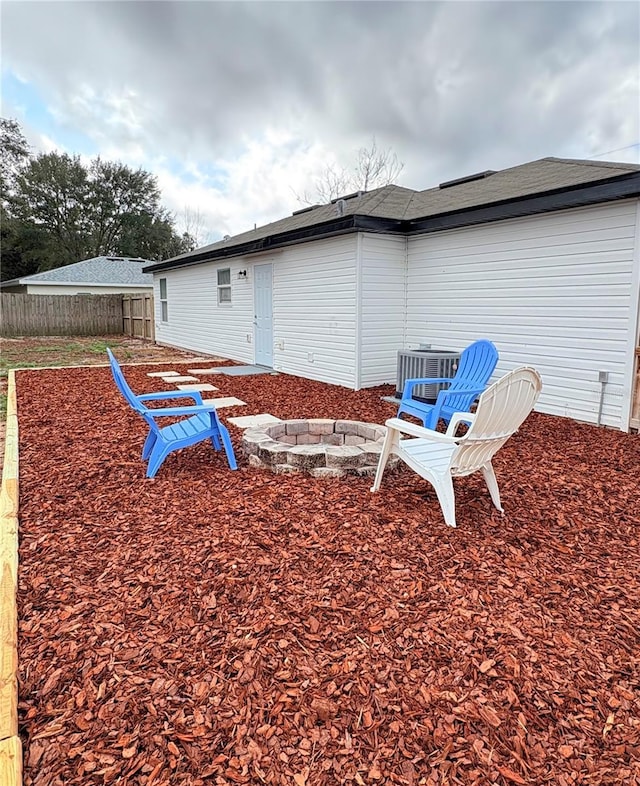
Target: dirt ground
[(82, 351), (239, 627)]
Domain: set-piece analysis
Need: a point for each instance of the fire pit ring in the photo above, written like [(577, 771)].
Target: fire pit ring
[(321, 448)]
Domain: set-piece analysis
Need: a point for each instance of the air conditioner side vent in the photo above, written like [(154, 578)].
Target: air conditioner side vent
[(425, 363)]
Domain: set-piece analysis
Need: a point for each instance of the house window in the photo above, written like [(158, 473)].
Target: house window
[(164, 306), (224, 285)]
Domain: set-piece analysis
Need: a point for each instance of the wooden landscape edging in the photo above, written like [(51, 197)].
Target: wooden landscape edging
[(10, 745)]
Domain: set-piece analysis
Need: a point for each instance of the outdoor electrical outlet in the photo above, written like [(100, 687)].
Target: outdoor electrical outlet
[(603, 376)]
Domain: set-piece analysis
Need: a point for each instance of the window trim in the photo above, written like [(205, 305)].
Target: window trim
[(164, 301), (223, 287)]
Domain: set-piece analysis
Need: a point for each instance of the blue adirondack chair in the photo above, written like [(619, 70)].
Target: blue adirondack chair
[(477, 363), (199, 422)]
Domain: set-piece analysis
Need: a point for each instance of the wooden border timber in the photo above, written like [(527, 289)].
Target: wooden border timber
[(10, 745), (635, 409)]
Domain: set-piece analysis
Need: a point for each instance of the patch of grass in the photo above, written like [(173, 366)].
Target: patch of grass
[(100, 347), (5, 365), (3, 406)]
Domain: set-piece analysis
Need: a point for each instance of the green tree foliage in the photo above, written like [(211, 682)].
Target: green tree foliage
[(57, 211), (14, 153)]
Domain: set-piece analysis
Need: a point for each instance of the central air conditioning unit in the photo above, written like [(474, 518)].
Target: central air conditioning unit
[(420, 363)]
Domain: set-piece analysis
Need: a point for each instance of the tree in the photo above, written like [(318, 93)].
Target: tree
[(193, 227), (373, 168), (119, 199), (103, 209), (14, 153), (52, 193), (56, 210)]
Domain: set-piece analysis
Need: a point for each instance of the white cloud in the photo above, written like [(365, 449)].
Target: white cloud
[(236, 106), (259, 184)]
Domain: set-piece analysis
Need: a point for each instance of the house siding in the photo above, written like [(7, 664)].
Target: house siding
[(196, 321), (314, 322), (82, 289), (314, 310), (552, 291), (382, 307)]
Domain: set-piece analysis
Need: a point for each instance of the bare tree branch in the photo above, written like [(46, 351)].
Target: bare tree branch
[(373, 168)]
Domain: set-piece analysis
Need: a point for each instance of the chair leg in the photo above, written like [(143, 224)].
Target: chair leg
[(443, 484), (492, 485), (391, 440), (228, 447), (149, 442), (158, 455), (215, 441)]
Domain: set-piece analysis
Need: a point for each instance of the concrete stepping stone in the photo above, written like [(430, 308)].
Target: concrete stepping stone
[(227, 401), (180, 379), (204, 371), (247, 421), (200, 387), (163, 374)]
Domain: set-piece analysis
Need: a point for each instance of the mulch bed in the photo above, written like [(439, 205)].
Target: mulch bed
[(221, 627)]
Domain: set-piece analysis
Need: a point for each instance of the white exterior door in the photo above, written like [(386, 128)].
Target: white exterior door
[(263, 316)]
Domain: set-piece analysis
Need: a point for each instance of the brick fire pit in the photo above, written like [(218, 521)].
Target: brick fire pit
[(322, 448)]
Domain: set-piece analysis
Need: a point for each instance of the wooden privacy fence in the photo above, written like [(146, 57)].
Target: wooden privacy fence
[(76, 315), (60, 315), (137, 316)]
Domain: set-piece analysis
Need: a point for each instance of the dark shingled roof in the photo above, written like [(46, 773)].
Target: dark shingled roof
[(398, 206)]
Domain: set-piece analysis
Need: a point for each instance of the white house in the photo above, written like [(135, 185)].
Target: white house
[(97, 276), (543, 259)]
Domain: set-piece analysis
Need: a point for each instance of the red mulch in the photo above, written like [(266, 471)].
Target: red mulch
[(225, 627)]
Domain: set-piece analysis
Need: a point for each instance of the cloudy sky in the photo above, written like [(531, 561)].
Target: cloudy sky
[(237, 107)]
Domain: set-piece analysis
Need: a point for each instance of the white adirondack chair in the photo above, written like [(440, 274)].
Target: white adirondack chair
[(439, 458)]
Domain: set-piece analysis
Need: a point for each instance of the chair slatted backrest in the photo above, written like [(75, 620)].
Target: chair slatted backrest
[(502, 409), (476, 366), (123, 386)]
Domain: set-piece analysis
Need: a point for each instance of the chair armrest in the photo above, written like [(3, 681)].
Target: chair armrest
[(456, 419), (404, 427), (166, 394), (409, 384), (463, 388), (176, 411)]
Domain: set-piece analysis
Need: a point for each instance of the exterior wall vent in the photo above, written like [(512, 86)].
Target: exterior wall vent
[(348, 196), (417, 363), (467, 179), (305, 210)]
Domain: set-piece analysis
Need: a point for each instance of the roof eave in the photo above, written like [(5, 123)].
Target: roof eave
[(342, 226), (621, 187), (576, 196)]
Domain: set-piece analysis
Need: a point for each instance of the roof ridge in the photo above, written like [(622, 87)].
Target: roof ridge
[(590, 162)]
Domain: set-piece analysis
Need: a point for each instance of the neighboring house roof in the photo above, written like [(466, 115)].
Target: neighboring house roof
[(539, 186), (97, 272)]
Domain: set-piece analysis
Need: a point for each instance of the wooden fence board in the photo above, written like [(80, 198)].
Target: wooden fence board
[(60, 315), (137, 316)]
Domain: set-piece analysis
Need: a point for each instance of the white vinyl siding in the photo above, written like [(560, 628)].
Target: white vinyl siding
[(314, 322), (84, 289), (553, 291), (382, 297), (197, 321), (314, 310)]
